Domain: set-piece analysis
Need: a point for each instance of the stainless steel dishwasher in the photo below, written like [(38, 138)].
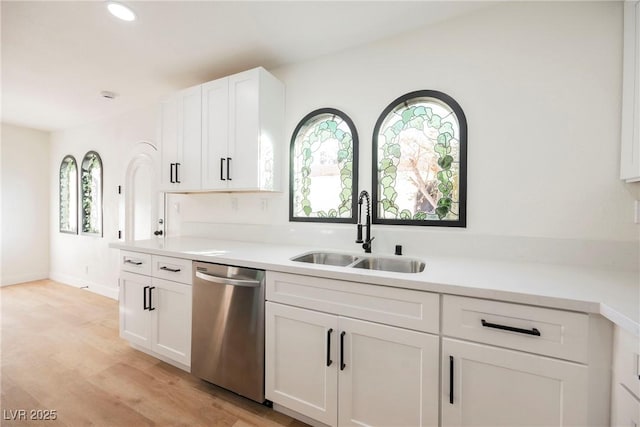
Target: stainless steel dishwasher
[(227, 341)]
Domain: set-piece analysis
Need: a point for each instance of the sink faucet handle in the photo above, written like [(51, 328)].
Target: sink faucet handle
[(359, 236), (367, 245)]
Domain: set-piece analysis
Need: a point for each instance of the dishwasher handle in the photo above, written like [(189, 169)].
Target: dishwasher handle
[(227, 281)]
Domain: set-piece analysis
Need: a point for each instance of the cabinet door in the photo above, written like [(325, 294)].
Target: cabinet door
[(244, 130), (190, 139), (301, 361), (180, 140), (625, 410), (134, 318), (390, 376), (171, 320), (215, 134), (168, 141), (630, 135), (490, 386)]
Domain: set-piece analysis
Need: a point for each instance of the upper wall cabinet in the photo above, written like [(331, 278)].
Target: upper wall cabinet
[(630, 151), (242, 132), (224, 135), (180, 140)]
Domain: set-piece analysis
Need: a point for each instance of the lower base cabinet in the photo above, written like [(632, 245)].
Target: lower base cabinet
[(343, 372), (489, 386), (156, 314)]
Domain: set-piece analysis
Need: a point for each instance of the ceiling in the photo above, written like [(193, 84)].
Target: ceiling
[(58, 56)]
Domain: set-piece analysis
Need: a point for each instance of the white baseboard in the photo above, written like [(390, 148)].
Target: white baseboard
[(85, 284), (21, 278)]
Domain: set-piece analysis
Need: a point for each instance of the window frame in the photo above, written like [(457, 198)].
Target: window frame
[(74, 229), (100, 201), (354, 168), (462, 122)]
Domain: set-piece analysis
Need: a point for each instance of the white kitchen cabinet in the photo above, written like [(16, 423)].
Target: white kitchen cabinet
[(135, 325), (170, 310), (490, 386), (301, 366), (155, 313), (507, 364), (242, 132), (625, 407), (180, 139), (389, 377), (630, 144), (343, 371)]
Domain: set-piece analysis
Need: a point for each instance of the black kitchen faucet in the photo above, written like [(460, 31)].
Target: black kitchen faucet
[(366, 244)]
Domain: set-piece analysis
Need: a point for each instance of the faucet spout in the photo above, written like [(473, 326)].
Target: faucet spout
[(366, 244)]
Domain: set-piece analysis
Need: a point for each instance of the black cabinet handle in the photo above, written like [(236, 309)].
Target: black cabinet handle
[(144, 298), (222, 160), (171, 178), (177, 174), (157, 233), (228, 168), (151, 308), (532, 331), (451, 380), (173, 270), (342, 365), (128, 261), (329, 361)]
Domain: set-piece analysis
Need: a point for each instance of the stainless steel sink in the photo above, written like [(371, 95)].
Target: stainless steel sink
[(397, 265), (326, 258)]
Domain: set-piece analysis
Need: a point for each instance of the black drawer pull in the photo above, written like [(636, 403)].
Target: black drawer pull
[(172, 180), (129, 261), (151, 307), (451, 380), (172, 270), (342, 365), (177, 174), (145, 306), (329, 361), (228, 168), (532, 331), (222, 160)]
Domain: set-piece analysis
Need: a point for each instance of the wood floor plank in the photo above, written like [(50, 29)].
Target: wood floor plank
[(60, 350)]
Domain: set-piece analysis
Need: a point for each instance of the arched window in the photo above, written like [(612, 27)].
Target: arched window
[(324, 168), (68, 187), (91, 187), (420, 161)]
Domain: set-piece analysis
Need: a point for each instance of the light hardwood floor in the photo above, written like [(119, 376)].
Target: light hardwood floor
[(60, 351)]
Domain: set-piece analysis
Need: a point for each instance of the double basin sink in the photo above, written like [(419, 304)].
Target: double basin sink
[(396, 265)]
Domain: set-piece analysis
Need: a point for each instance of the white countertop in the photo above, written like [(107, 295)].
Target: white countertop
[(613, 294)]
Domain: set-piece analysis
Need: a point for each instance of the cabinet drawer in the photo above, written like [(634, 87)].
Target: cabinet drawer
[(135, 262), (175, 269), (626, 360), (538, 330), (391, 306)]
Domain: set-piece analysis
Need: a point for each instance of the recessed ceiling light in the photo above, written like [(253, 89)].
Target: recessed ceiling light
[(121, 11)]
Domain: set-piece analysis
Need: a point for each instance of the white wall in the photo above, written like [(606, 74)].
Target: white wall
[(540, 84), (83, 260), (25, 205)]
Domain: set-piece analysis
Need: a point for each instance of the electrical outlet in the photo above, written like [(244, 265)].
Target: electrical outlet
[(636, 212), (264, 205), (234, 204), (86, 269)]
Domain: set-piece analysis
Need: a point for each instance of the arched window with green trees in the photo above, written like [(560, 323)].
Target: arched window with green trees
[(420, 161), (68, 189), (323, 173), (91, 188)]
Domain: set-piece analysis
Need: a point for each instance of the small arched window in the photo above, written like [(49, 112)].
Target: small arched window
[(91, 187), (324, 168), (68, 188), (420, 161)]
